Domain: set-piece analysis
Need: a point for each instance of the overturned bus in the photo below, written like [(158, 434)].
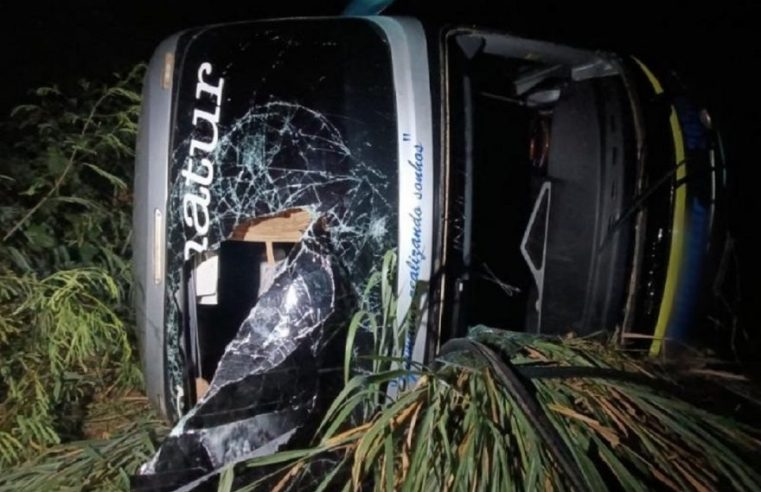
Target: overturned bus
[(523, 184)]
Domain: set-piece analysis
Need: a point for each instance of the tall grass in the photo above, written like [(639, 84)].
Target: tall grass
[(461, 428), (122, 435)]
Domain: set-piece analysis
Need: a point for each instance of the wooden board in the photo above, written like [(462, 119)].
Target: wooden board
[(285, 227)]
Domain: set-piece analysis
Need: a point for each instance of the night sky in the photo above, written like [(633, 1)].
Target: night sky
[(715, 48)]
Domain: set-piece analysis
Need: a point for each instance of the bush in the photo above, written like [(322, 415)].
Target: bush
[(65, 217)]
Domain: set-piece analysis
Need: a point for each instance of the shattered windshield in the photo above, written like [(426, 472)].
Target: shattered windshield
[(270, 117)]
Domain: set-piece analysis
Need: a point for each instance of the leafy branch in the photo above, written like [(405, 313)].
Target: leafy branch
[(65, 321)]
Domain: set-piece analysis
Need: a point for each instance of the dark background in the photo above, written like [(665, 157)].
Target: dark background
[(714, 46)]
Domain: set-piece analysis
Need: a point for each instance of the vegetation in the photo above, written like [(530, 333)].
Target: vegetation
[(65, 219), (460, 426), (121, 435)]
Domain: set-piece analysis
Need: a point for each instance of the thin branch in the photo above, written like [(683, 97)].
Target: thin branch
[(59, 181)]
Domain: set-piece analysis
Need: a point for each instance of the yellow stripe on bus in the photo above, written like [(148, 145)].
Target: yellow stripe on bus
[(677, 226)]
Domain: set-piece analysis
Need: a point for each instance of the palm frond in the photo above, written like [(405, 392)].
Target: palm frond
[(460, 427)]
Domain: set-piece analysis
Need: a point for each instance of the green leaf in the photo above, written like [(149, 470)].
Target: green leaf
[(115, 181), (56, 162), (38, 236), (226, 479)]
